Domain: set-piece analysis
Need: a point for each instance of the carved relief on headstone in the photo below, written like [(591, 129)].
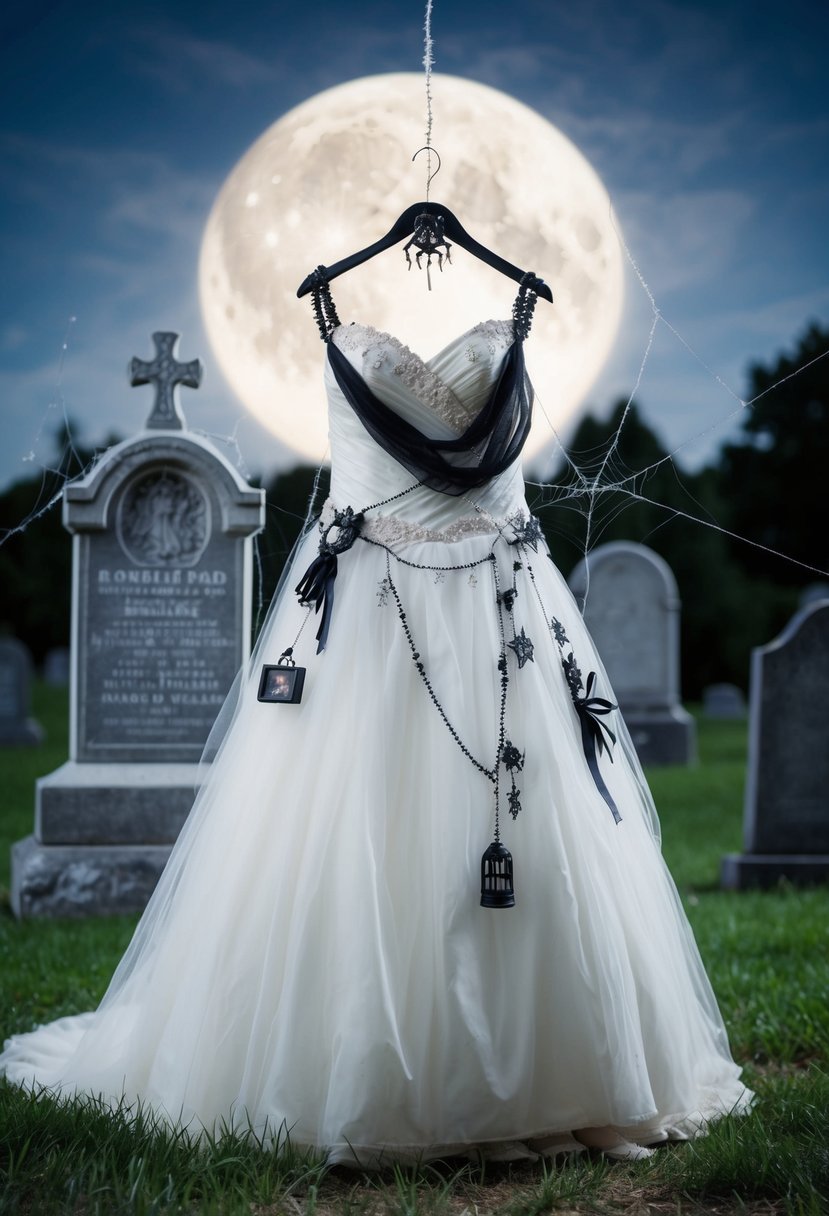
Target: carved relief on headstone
[(164, 520), (786, 822), (161, 613), (630, 602), (17, 728)]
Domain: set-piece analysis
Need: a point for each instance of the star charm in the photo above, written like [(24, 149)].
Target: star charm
[(527, 531), (523, 647)]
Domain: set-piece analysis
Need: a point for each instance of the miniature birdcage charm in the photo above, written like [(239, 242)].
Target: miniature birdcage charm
[(282, 682), (497, 890)]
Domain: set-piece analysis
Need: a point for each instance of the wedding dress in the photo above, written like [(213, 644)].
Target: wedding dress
[(316, 958)]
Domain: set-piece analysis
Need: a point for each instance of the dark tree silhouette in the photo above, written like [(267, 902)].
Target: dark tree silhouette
[(775, 477), (36, 550)]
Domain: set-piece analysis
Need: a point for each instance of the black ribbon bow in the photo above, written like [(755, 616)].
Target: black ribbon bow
[(317, 583), (591, 710)]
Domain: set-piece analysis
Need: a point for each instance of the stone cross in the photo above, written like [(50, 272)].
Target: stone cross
[(165, 372)]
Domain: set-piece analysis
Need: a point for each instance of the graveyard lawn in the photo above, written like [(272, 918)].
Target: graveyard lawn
[(766, 954)]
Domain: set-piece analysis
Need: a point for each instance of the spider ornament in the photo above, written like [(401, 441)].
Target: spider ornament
[(428, 238)]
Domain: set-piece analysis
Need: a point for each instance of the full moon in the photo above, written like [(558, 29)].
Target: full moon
[(332, 176)]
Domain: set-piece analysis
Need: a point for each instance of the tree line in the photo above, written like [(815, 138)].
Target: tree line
[(718, 528)]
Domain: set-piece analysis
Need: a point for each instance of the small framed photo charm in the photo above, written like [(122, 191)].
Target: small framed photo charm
[(281, 683)]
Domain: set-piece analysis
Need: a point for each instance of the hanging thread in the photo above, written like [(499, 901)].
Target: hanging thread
[(428, 63)]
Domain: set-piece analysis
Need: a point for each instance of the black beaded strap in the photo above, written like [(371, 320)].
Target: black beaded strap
[(325, 312), (524, 305)]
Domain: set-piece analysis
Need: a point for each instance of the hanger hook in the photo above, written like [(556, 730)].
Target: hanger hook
[(430, 149)]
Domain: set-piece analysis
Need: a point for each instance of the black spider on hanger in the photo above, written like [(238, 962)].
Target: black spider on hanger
[(428, 238)]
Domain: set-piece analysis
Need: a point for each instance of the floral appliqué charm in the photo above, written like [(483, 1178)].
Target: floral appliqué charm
[(513, 761)]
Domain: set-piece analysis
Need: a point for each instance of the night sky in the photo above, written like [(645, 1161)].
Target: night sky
[(708, 123)]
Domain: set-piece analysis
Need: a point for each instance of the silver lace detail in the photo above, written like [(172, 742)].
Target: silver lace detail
[(394, 531), (497, 335)]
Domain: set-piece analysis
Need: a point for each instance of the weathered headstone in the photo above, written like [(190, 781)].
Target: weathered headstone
[(631, 607), (161, 604), (786, 823), (56, 667), (723, 701), (16, 727)]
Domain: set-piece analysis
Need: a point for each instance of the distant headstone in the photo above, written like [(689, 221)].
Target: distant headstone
[(813, 594), (631, 607), (723, 701), (161, 605), (56, 667), (786, 823), (16, 727)]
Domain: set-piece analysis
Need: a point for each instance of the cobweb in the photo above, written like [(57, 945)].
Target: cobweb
[(598, 485)]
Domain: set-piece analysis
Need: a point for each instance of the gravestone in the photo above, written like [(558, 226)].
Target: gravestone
[(786, 821), (161, 610), (723, 701), (16, 727), (631, 607), (813, 594), (56, 667)]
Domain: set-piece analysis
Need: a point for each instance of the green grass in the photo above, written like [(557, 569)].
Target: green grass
[(767, 955)]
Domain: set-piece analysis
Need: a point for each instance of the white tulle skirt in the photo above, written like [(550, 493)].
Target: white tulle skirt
[(315, 958)]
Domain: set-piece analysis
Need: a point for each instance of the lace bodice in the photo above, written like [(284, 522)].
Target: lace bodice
[(452, 389), (431, 445), (440, 396)]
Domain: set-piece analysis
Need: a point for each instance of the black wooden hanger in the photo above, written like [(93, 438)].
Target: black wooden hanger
[(404, 226)]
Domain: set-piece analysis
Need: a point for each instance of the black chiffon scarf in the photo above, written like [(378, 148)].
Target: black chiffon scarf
[(489, 445)]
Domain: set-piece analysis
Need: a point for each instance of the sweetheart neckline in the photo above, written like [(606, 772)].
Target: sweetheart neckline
[(427, 362), (425, 378)]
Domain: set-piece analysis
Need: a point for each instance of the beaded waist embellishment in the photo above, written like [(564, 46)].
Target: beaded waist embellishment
[(394, 530)]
